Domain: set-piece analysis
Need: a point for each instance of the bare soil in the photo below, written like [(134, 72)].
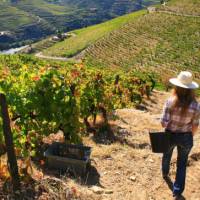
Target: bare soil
[(126, 169)]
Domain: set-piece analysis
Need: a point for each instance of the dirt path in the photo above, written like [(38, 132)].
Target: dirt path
[(76, 58), (129, 170), (40, 55), (177, 14)]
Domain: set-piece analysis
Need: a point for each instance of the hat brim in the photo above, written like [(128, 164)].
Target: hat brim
[(176, 82)]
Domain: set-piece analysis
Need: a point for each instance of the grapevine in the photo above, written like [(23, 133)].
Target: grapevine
[(44, 98)]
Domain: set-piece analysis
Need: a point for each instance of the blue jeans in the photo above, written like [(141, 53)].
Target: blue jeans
[(184, 143)]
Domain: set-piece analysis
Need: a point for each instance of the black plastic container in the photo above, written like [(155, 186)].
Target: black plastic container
[(68, 157), (160, 141)]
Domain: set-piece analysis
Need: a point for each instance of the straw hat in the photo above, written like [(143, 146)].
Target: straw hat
[(184, 80)]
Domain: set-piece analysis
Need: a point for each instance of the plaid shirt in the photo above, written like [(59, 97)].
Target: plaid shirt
[(175, 122)]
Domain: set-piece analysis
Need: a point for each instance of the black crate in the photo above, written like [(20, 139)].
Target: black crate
[(160, 141), (68, 157)]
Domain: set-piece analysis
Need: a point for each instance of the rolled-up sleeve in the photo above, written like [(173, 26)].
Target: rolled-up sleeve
[(196, 117), (165, 118)]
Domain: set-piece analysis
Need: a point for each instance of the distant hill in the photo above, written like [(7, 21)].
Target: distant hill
[(25, 21)]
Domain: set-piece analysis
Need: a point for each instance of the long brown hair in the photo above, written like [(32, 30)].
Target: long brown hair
[(183, 98)]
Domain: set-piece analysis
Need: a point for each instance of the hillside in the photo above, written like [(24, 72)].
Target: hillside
[(165, 38), (157, 40), (87, 36), (185, 7), (25, 21)]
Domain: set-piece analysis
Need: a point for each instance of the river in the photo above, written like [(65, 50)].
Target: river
[(12, 50)]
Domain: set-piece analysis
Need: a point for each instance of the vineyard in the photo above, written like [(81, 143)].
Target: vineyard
[(87, 36), (45, 98), (166, 39), (156, 41), (190, 7), (107, 102)]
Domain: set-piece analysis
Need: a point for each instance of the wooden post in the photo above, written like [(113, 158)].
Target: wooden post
[(13, 168)]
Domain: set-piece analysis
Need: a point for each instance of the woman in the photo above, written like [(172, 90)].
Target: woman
[(180, 118)]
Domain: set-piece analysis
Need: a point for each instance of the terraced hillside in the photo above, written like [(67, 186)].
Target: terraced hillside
[(87, 36), (185, 7), (28, 20), (157, 40)]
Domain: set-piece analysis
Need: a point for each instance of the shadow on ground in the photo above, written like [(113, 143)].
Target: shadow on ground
[(90, 178), (110, 134)]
